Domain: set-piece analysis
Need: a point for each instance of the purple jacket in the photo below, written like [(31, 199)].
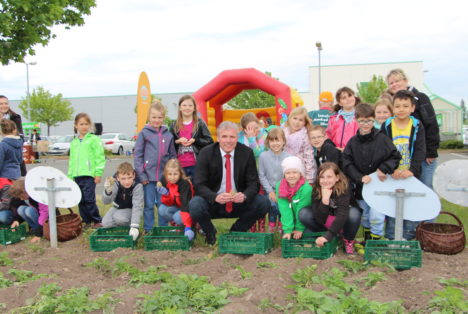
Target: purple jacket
[(153, 149)]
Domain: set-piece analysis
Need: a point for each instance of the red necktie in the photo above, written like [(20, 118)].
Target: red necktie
[(228, 181)]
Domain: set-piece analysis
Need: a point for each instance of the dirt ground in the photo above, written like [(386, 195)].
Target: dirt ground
[(67, 264)]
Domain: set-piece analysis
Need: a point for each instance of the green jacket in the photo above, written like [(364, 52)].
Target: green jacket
[(290, 211), (86, 157)]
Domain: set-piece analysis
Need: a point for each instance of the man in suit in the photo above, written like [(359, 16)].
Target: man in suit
[(226, 184)]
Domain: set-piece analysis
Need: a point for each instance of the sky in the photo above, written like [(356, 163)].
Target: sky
[(183, 44)]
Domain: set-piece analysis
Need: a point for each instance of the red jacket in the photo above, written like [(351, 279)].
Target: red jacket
[(179, 196)]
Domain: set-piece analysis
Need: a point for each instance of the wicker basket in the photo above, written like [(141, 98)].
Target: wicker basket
[(68, 227), (440, 237)]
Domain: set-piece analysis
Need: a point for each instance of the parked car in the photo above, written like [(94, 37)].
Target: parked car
[(61, 146), (117, 143)]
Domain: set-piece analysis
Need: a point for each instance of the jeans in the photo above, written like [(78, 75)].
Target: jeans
[(31, 215), (190, 172), (170, 213), (372, 219), (89, 211), (427, 172), (151, 197), (274, 212), (409, 229), (202, 212), (6, 217), (350, 228)]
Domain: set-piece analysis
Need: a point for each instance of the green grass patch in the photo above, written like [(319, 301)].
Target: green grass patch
[(459, 211)]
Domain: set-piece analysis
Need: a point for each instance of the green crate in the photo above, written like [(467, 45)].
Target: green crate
[(108, 239), (399, 254), (167, 239), (10, 235), (245, 243), (306, 247)]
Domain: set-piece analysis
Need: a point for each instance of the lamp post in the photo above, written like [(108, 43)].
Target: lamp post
[(318, 44), (27, 88)]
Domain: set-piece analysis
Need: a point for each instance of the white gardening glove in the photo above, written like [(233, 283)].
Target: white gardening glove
[(134, 233), (108, 185), (189, 233)]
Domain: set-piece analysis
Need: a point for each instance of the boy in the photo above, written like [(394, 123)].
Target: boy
[(407, 133), (127, 197), (368, 151), (324, 149)]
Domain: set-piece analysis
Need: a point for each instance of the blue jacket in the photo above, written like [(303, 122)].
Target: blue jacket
[(417, 143), (11, 155), (153, 149)]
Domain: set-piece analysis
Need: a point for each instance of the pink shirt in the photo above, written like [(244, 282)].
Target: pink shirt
[(186, 159)]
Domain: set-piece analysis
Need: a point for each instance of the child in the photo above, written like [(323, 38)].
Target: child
[(174, 204), (153, 148), (11, 151), (407, 133), (342, 125), (383, 111), (270, 171), (331, 209), (86, 166), (369, 151), (297, 141), (6, 214), (324, 149), (190, 134), (252, 134), (34, 213), (293, 194), (127, 197)]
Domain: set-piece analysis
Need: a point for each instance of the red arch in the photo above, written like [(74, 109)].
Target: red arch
[(229, 83)]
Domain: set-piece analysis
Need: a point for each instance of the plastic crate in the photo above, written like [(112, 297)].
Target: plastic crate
[(167, 239), (245, 243), (10, 235), (306, 247), (399, 254), (108, 239)]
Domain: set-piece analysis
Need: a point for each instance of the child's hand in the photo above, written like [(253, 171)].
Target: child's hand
[(366, 179), (272, 196), (181, 140), (145, 182), (382, 176), (287, 236), (162, 190), (326, 194), (108, 184), (189, 233), (406, 174), (97, 180), (396, 174), (320, 241), (297, 234), (14, 225)]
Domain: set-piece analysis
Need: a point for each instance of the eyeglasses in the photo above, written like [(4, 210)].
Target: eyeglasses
[(316, 137), (368, 122)]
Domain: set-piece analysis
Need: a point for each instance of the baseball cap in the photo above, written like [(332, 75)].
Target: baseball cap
[(326, 97)]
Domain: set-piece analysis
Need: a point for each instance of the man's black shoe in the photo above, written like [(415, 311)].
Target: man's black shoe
[(210, 238)]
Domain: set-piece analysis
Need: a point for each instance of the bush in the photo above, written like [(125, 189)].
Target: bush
[(451, 144)]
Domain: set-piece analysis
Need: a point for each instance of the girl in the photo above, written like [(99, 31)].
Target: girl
[(190, 134), (7, 113), (342, 125), (11, 151), (153, 148), (331, 209), (34, 213), (383, 111), (270, 172), (251, 134), (293, 194), (86, 166), (297, 140), (174, 204)]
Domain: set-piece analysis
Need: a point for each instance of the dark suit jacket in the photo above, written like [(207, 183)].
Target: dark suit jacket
[(209, 172)]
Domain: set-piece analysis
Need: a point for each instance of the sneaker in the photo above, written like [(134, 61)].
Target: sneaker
[(272, 226), (367, 234), (210, 238), (261, 225), (348, 246), (375, 237)]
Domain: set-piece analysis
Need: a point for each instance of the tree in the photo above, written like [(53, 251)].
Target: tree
[(252, 98), (47, 108), (463, 108), (370, 91), (26, 23)]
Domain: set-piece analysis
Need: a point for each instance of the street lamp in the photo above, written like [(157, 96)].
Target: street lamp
[(318, 44), (27, 87)]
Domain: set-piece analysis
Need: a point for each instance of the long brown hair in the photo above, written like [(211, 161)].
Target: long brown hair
[(339, 188), (83, 115), (347, 90), (180, 121), (7, 127)]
